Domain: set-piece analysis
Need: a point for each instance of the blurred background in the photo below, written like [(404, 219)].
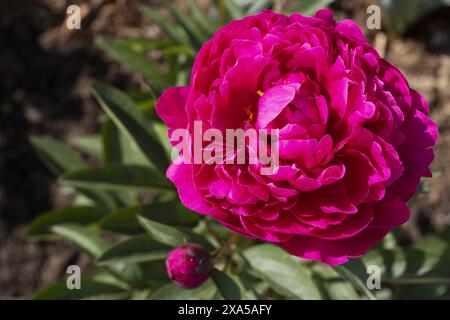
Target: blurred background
[(46, 70)]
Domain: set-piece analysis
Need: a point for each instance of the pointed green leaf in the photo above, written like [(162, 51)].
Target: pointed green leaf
[(226, 285), (201, 18), (115, 176), (121, 109), (80, 215), (90, 144), (334, 286), (117, 149), (112, 151), (89, 290), (196, 34), (233, 10), (123, 221), (257, 6), (100, 197), (86, 239), (163, 233), (170, 213), (58, 157), (282, 272), (141, 45), (131, 154), (142, 295), (161, 131), (61, 159), (247, 285), (172, 30), (154, 273), (105, 275), (136, 61), (111, 177), (310, 7), (354, 280), (207, 291), (427, 260), (136, 249)]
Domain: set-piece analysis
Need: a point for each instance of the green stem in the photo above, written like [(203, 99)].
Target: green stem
[(355, 281)]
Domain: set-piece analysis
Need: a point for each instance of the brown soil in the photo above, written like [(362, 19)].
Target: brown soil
[(45, 72)]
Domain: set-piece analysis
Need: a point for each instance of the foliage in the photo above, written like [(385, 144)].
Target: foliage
[(128, 239), (401, 14)]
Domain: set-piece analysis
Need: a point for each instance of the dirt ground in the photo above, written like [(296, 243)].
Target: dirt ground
[(45, 72)]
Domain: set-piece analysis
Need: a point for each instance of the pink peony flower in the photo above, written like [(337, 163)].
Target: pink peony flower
[(189, 265), (355, 139)]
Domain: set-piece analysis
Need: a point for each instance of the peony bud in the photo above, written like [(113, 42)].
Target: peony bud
[(189, 265)]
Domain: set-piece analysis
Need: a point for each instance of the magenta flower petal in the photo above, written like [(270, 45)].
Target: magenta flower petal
[(171, 107), (273, 102), (181, 176)]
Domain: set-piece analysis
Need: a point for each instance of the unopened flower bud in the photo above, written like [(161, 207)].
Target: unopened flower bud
[(189, 265)]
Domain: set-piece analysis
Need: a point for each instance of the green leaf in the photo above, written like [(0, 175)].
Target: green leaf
[(171, 213), (130, 273), (248, 286), (410, 264), (163, 233), (196, 34), (418, 272), (154, 273), (207, 291), (233, 10), (284, 274), (100, 197), (116, 176), (81, 215), (127, 117), (120, 148), (141, 44), (141, 295), (258, 5), (334, 286), (58, 157), (112, 151), (399, 15), (89, 290), (136, 61), (310, 7), (176, 50), (226, 285), (61, 159), (354, 280), (130, 153), (106, 275), (136, 249), (84, 238), (175, 33), (201, 18), (90, 144), (123, 221), (161, 131)]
